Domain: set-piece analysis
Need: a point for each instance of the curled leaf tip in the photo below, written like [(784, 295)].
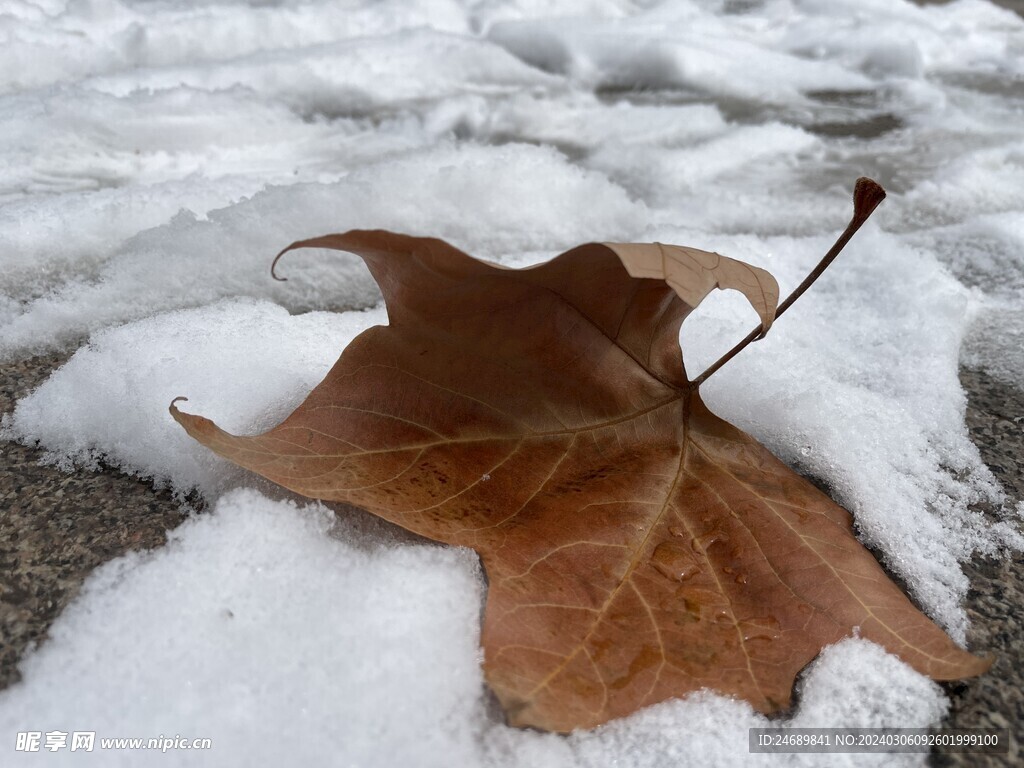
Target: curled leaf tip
[(273, 265), (176, 400)]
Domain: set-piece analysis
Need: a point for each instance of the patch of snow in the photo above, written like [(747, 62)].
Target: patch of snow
[(522, 198), (248, 360)]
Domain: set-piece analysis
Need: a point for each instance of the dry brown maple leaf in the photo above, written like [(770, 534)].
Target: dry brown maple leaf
[(637, 547)]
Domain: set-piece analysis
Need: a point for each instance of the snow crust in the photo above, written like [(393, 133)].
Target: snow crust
[(155, 155)]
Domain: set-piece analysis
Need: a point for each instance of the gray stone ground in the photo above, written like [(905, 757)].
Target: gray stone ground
[(56, 527)]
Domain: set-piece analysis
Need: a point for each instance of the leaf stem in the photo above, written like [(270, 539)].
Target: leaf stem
[(867, 194)]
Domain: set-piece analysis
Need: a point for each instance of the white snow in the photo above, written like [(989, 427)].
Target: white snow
[(283, 644), (248, 360), (524, 198), (155, 155)]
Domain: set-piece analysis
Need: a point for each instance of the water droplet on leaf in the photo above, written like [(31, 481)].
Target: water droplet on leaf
[(674, 562), (765, 628), (702, 543)]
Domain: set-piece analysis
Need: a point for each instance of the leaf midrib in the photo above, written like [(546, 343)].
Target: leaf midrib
[(633, 562)]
